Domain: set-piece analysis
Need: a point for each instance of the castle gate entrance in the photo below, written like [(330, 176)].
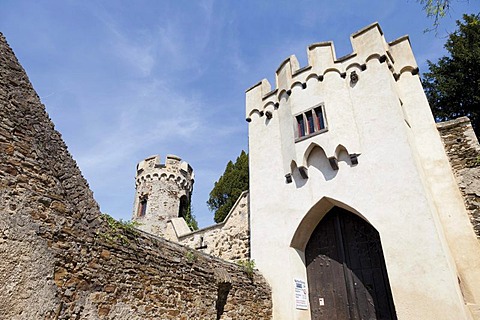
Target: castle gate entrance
[(346, 272)]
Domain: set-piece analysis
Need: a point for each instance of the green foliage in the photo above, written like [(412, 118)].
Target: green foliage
[(477, 161), (186, 213), (452, 85), (229, 187), (436, 9), (248, 266), (190, 218), (191, 256), (117, 229)]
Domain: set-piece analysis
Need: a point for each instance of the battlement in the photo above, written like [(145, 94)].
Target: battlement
[(369, 46), (174, 169), (173, 165)]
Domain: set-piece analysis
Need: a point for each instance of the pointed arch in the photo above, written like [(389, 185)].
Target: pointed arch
[(293, 166), (309, 150), (313, 217), (346, 267), (316, 157), (341, 154)]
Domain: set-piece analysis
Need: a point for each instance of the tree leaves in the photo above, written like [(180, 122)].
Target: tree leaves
[(452, 85), (229, 187), (436, 9)]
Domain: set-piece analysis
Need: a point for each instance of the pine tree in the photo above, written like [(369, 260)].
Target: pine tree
[(452, 85), (229, 187)]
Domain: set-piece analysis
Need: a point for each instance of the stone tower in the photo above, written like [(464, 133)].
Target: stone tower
[(163, 193)]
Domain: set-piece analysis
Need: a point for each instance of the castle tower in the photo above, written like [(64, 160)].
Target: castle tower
[(353, 204), (163, 193)]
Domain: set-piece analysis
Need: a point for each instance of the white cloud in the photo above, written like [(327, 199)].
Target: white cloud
[(138, 53), (150, 115)]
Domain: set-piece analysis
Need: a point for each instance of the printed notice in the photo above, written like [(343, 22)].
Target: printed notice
[(300, 295)]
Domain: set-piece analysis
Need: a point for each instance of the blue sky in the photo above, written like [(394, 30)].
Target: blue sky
[(123, 80)]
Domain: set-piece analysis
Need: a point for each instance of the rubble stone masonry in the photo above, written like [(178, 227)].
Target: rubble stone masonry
[(229, 240), (61, 259), (463, 151)]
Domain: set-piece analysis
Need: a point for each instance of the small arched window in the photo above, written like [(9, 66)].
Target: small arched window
[(142, 206), (182, 210)]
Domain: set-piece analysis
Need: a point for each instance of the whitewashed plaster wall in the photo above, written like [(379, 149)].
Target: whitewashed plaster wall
[(402, 185)]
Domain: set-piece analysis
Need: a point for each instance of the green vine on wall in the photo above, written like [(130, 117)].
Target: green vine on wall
[(248, 267), (191, 256), (117, 229)]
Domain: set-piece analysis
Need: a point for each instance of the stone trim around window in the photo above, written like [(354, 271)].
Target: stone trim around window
[(310, 122)]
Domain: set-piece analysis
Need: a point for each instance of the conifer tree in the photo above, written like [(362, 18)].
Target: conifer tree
[(452, 85), (229, 187)]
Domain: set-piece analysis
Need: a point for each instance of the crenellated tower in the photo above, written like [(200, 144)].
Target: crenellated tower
[(163, 193), (349, 180), (332, 90)]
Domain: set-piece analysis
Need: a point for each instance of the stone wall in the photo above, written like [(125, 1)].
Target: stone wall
[(463, 151), (61, 259), (230, 239)]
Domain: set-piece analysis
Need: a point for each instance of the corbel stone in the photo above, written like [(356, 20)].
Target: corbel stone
[(354, 158), (303, 172), (288, 178), (353, 77), (333, 163)]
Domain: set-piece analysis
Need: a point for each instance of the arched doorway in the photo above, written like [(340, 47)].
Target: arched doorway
[(346, 270)]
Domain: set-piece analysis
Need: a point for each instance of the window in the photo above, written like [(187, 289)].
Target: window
[(320, 119), (142, 207), (310, 122), (300, 126)]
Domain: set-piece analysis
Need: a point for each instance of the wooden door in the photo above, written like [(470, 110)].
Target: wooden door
[(346, 271)]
